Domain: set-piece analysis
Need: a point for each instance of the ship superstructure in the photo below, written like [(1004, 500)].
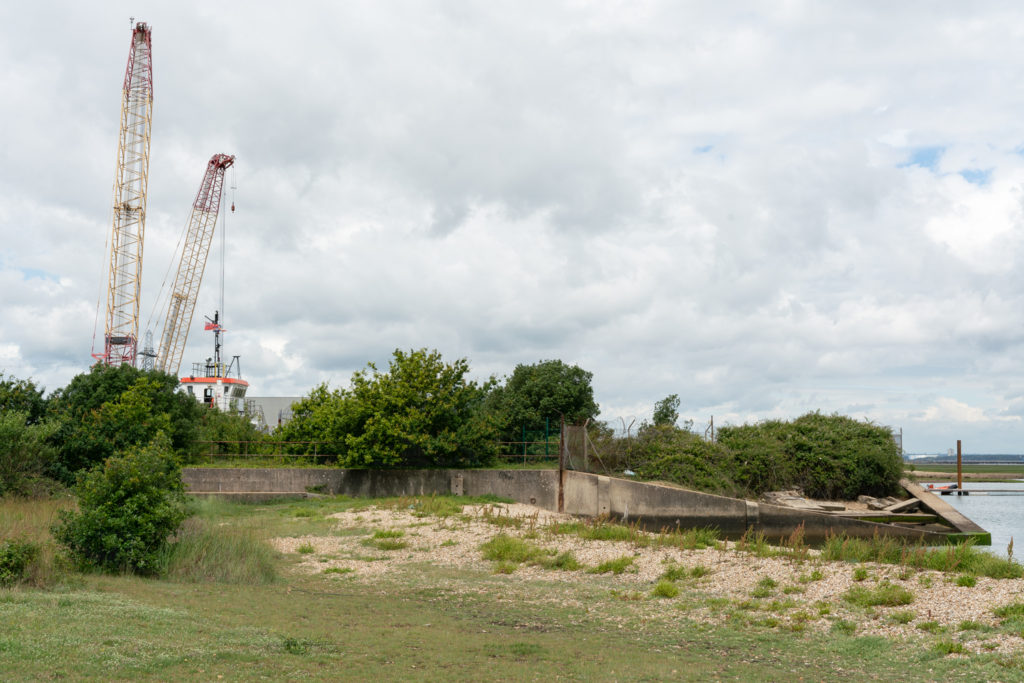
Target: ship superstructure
[(214, 383)]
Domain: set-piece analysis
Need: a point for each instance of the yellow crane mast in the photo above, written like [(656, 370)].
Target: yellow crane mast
[(181, 302), (121, 333)]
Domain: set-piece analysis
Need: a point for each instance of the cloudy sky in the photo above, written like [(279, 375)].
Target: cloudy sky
[(766, 208)]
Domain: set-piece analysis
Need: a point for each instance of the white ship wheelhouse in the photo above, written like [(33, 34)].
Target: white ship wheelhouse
[(214, 383)]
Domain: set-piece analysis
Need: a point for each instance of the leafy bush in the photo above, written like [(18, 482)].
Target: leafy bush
[(667, 453), (128, 508), (16, 555), (828, 456)]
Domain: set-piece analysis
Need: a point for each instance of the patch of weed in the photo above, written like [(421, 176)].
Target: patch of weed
[(884, 594), (765, 588), (902, 617), (665, 589), (616, 566), (845, 627), (948, 647)]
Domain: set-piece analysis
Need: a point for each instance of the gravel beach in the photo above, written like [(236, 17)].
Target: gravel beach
[(810, 591)]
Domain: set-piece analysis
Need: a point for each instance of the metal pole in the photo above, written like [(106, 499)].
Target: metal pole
[(586, 459), (959, 469), (547, 432), (561, 467)]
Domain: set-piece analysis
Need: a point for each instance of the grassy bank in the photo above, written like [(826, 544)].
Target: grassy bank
[(523, 614)]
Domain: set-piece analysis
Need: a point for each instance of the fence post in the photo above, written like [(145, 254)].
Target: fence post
[(561, 467), (547, 432)]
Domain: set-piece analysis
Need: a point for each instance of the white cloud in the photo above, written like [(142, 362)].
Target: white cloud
[(709, 200)]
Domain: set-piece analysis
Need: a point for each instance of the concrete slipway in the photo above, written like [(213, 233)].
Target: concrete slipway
[(653, 506)]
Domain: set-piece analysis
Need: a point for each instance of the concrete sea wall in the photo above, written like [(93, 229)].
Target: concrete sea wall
[(653, 506)]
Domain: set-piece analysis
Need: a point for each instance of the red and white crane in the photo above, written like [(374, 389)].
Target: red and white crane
[(121, 330), (181, 301)]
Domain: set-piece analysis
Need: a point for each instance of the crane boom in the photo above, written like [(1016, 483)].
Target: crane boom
[(182, 300), (129, 224)]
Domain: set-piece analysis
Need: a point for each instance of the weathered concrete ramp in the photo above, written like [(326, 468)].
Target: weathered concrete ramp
[(653, 506)]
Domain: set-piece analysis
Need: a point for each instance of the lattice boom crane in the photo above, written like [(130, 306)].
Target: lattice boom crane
[(181, 302), (121, 331)]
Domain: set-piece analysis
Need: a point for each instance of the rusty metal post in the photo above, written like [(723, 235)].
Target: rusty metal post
[(561, 467), (959, 469)]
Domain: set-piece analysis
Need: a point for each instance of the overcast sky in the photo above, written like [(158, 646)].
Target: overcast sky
[(766, 208)]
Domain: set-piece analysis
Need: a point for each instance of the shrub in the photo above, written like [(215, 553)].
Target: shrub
[(16, 555), (828, 456), (128, 508)]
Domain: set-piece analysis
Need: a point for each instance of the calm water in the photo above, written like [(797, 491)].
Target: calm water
[(1000, 513)]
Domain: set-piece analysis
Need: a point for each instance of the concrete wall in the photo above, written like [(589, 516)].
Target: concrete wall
[(535, 487), (653, 506)]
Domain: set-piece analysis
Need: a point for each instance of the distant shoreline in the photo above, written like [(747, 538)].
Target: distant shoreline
[(946, 476)]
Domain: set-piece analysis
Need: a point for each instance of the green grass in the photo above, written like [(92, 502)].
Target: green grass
[(665, 589), (765, 588), (207, 553), (902, 617), (301, 626), (884, 594), (615, 566), (961, 558)]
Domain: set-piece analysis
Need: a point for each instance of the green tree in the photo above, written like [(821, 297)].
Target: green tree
[(109, 409), (22, 396), (25, 454), (128, 508), (666, 411), (547, 389), (422, 412)]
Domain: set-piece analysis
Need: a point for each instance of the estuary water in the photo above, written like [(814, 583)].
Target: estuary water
[(1002, 514)]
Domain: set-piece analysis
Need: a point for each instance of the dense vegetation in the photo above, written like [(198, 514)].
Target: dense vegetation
[(826, 456), (117, 436)]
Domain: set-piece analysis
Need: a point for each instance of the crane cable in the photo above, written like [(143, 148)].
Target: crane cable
[(103, 269), (164, 291)]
